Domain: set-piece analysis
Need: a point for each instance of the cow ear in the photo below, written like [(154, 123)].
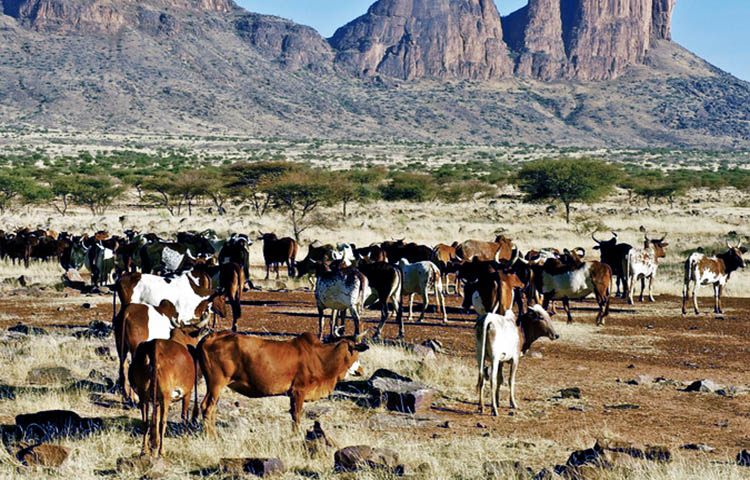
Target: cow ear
[(361, 347), (664, 244), (596, 247)]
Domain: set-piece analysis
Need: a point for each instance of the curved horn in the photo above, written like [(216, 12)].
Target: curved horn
[(514, 256), (662, 238), (594, 238), (581, 250), (361, 336), (739, 243), (614, 234), (728, 245)]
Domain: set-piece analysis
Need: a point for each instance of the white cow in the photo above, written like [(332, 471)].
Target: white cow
[(418, 278), (500, 339), (340, 290), (702, 270), (641, 263)]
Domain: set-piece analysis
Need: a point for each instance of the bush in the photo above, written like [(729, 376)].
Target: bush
[(414, 187)]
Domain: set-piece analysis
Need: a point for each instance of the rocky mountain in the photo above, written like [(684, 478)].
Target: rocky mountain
[(570, 72)]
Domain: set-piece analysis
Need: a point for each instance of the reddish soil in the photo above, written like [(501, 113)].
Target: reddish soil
[(683, 349)]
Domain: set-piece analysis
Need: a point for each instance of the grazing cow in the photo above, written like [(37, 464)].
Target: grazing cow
[(702, 270), (418, 278), (641, 263), (136, 323), (302, 368), (278, 250), (340, 290), (556, 280), (501, 339), (385, 282), (493, 292), (190, 300), (164, 371), (500, 249), (615, 255), (373, 253), (442, 256)]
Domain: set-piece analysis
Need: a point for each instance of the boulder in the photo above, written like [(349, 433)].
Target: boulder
[(51, 424), (572, 392), (360, 457), (658, 453), (642, 379), (27, 330), (400, 394), (590, 456), (44, 455), (23, 280), (704, 385), (699, 447), (144, 466), (49, 375), (73, 277), (261, 467)]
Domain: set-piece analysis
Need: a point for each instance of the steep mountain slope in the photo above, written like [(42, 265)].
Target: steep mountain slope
[(207, 66)]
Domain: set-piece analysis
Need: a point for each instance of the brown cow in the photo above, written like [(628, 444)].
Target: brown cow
[(702, 270), (303, 368), (493, 293), (164, 371), (227, 278), (442, 256), (500, 249), (278, 250)]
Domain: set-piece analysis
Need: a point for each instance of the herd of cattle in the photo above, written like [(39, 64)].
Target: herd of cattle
[(168, 290)]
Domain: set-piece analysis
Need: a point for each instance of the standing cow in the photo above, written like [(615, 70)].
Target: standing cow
[(614, 254), (278, 250), (702, 270), (641, 263)]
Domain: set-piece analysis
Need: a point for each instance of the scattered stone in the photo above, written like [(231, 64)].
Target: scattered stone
[(103, 351), (743, 458), (535, 355), (23, 280), (543, 474), (704, 385), (359, 457), (144, 466), (589, 456), (480, 425), (44, 455), (700, 447), (86, 306), (506, 469), (51, 424), (691, 365), (729, 391), (73, 277), (617, 446), (47, 375), (317, 442), (88, 386), (96, 329), (658, 454), (100, 377), (623, 406), (27, 330), (400, 394), (434, 344), (642, 379), (572, 392), (426, 353), (445, 424), (261, 467)]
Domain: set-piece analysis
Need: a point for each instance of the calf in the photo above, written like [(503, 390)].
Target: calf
[(278, 250), (702, 270), (135, 324), (419, 278), (641, 263), (340, 290), (502, 339), (164, 371), (302, 368)]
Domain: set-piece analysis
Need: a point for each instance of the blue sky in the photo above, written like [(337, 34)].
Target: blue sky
[(717, 30)]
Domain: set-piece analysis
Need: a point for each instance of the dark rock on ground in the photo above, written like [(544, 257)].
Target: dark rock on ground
[(44, 455), (704, 385), (27, 330), (400, 394), (743, 458), (361, 457), (572, 392), (47, 375), (51, 424), (261, 467)]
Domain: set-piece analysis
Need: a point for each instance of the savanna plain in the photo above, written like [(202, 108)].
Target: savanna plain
[(652, 343)]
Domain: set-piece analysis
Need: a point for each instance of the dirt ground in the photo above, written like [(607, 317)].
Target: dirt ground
[(646, 338)]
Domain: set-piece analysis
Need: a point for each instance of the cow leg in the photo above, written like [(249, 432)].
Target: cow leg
[(685, 290), (411, 302), (146, 427), (440, 300), (650, 284), (695, 299), (717, 299), (566, 307), (425, 303), (355, 317), (186, 406), (210, 402), (320, 323), (643, 287), (163, 423), (268, 269), (296, 401), (494, 387), (277, 269), (512, 382)]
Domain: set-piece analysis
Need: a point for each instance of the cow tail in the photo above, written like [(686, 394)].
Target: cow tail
[(194, 353)]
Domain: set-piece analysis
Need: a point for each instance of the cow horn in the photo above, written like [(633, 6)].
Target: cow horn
[(728, 245), (739, 243), (662, 238), (614, 234), (581, 250), (593, 237), (361, 336), (514, 257), (522, 260)]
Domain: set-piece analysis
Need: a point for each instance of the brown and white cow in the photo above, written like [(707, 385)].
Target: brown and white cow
[(164, 371), (703, 270), (302, 368), (492, 292), (339, 290), (501, 339), (641, 263)]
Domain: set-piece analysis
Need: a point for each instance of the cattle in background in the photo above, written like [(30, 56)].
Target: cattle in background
[(317, 253), (493, 292), (703, 270), (201, 245), (556, 280), (419, 278), (442, 256), (302, 368), (18, 246), (164, 371), (192, 301), (338, 290), (385, 282), (101, 263), (542, 255), (500, 249), (134, 324), (237, 250), (501, 339), (641, 263), (166, 257), (411, 251), (373, 253), (345, 253), (615, 255), (278, 250)]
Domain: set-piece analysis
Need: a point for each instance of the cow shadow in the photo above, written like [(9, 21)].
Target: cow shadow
[(297, 314), (260, 303)]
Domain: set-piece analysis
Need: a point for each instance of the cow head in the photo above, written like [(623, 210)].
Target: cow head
[(733, 257), (536, 323), (604, 244), (656, 245), (349, 347), (267, 237)]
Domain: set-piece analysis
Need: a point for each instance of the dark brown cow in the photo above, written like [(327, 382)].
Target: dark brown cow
[(500, 249), (411, 251), (302, 368), (164, 371), (278, 250), (386, 282), (373, 253)]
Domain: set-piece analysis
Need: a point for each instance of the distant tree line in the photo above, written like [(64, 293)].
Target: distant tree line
[(298, 189)]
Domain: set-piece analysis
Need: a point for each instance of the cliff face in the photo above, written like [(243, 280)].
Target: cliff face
[(661, 29), (411, 39), (535, 32)]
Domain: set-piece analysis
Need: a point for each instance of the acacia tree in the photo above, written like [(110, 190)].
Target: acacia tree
[(298, 194), (97, 192), (14, 185), (567, 180), (250, 179)]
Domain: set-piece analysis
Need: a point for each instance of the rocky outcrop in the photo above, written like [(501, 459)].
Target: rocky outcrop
[(293, 46), (661, 28), (535, 31), (65, 15), (411, 39)]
